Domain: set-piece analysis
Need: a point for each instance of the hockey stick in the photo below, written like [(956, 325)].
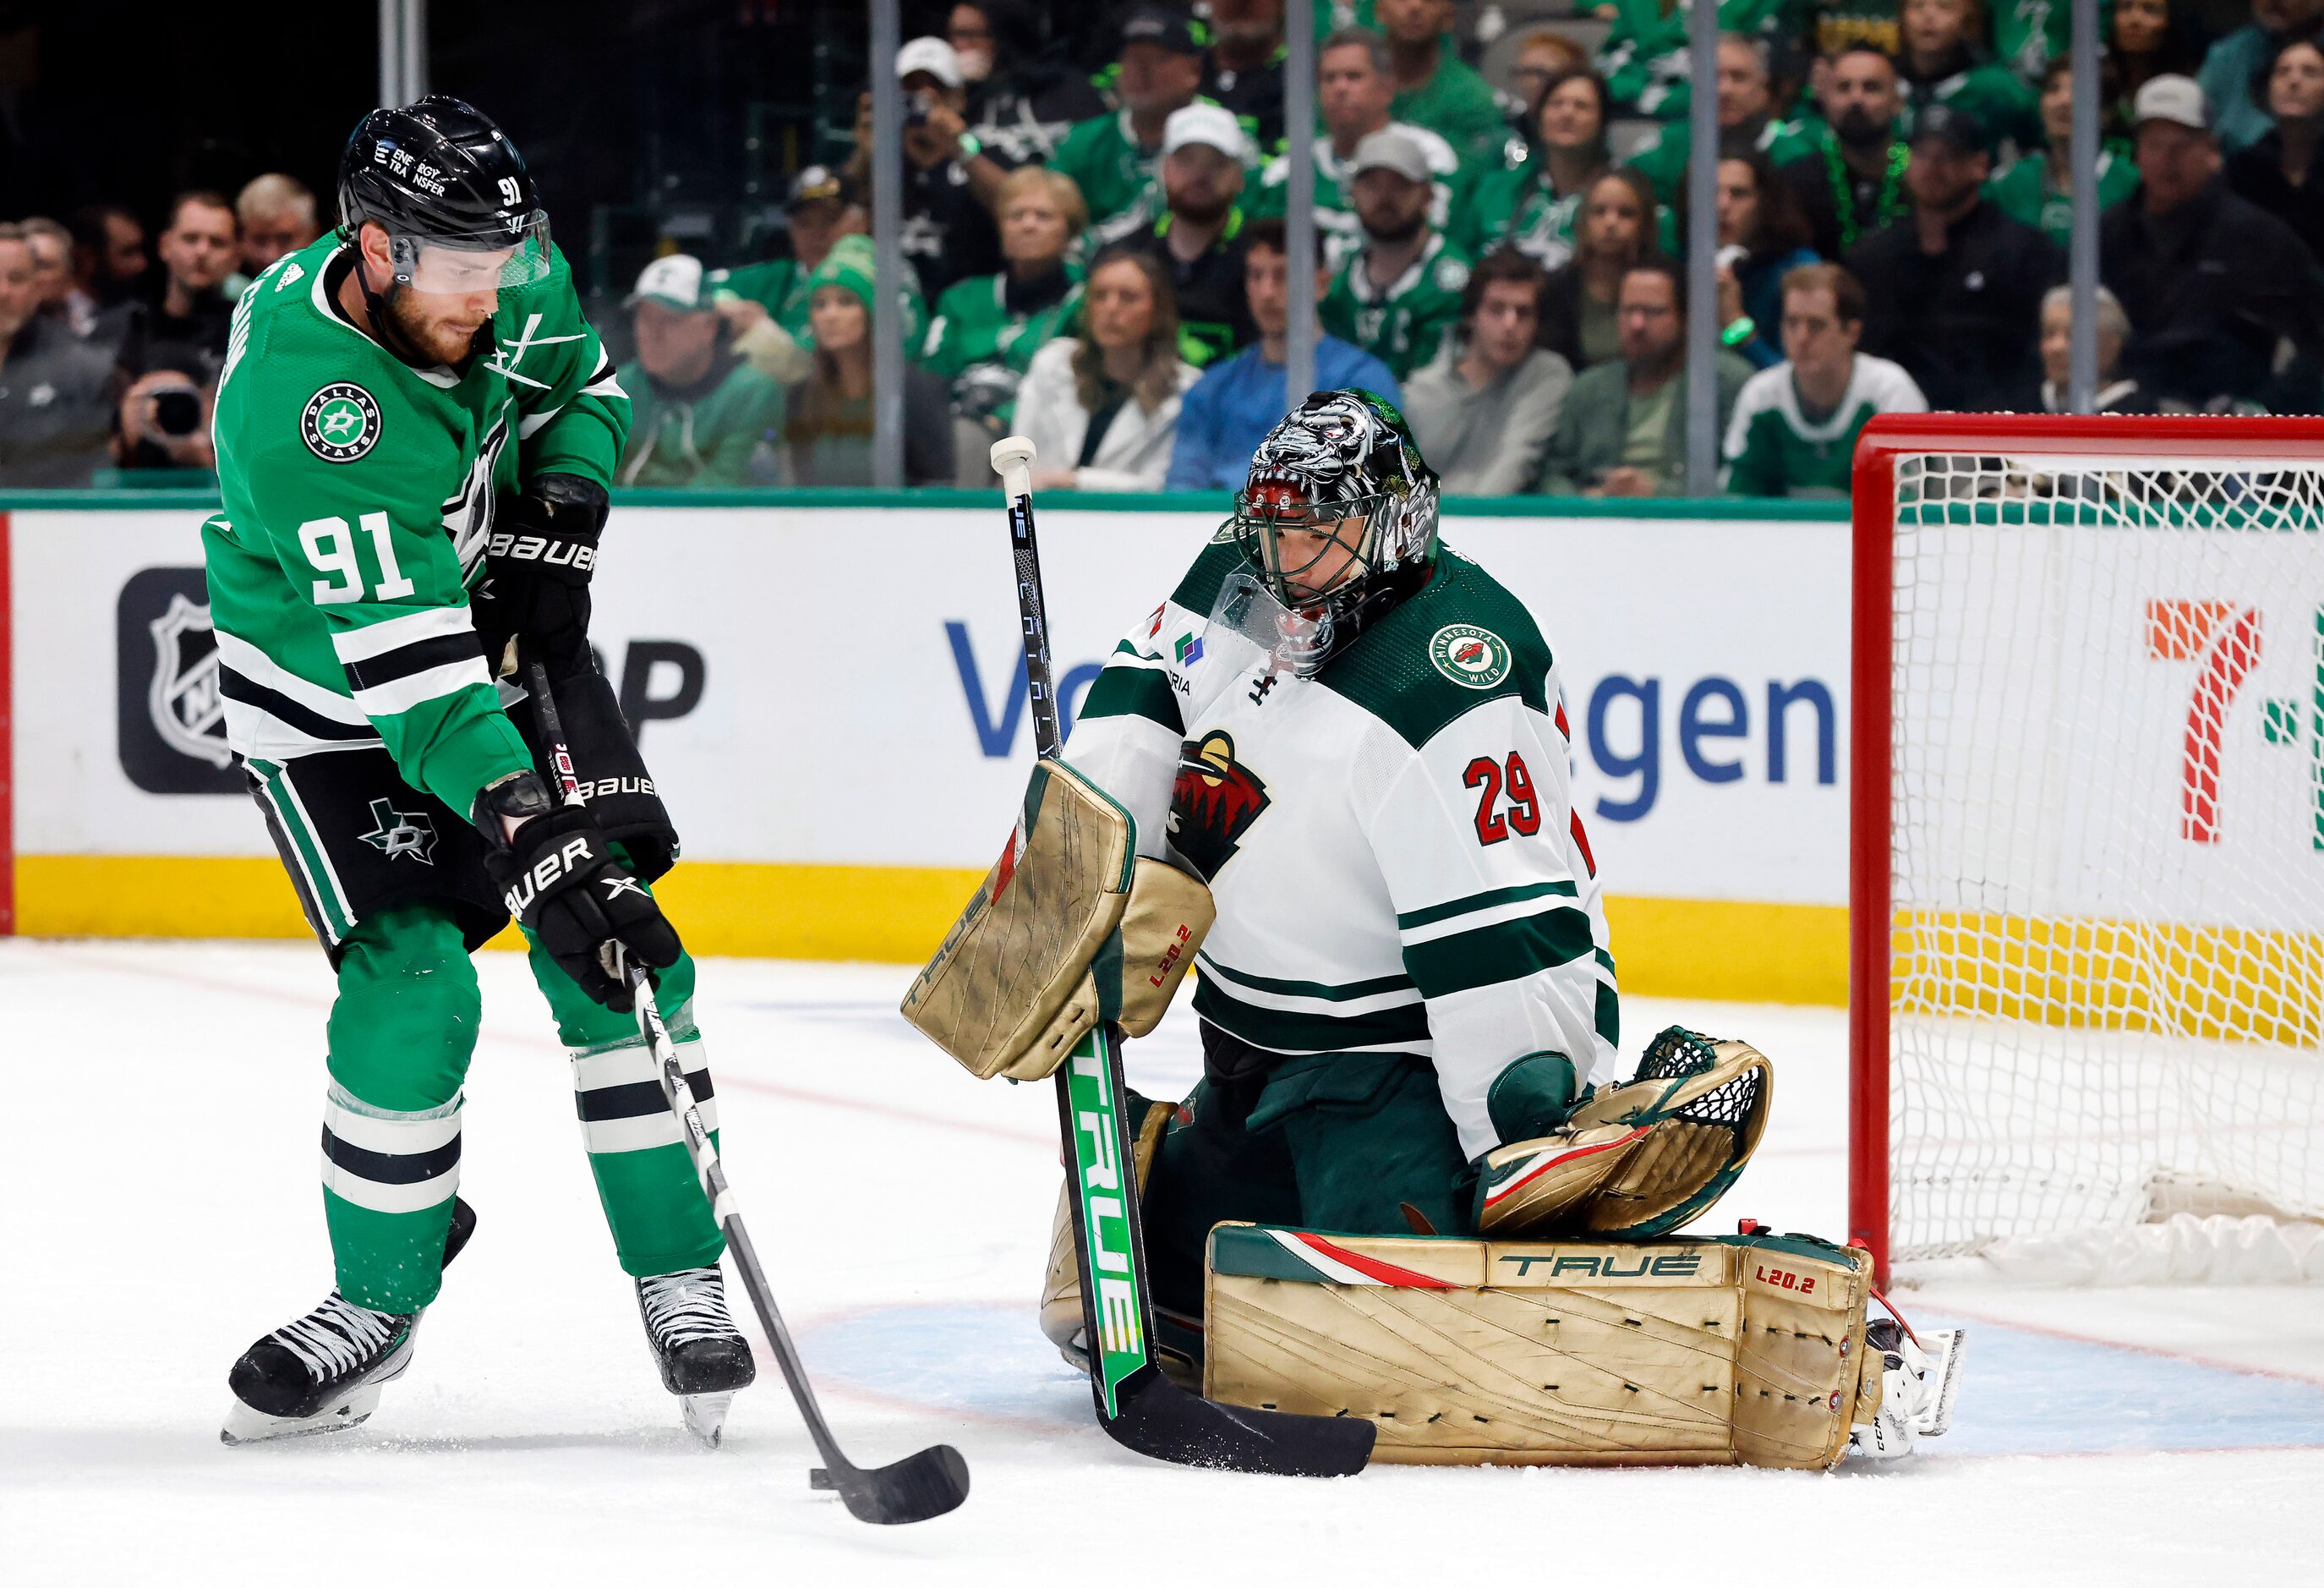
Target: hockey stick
[(927, 1484), (1135, 1404)]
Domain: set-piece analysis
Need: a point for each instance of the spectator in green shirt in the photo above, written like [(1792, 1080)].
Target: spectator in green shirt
[(2036, 189), (1395, 297), (1746, 124), (987, 328), (1942, 64), (1531, 205), (1645, 58), (765, 303), (1434, 87), (1794, 426), (701, 413), (1112, 158)]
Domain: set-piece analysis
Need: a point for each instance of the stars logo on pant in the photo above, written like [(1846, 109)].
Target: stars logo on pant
[(398, 834)]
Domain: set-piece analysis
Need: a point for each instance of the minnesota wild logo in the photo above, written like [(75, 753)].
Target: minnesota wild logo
[(341, 422), (1214, 803), (1471, 657)]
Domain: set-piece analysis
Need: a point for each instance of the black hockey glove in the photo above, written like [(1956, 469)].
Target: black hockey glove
[(614, 777), (537, 569), (556, 876)]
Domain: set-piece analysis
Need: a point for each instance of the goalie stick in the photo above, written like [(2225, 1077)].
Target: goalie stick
[(923, 1485), (1138, 1407)]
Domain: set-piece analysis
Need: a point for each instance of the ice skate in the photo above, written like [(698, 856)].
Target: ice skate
[(703, 1357), (1921, 1377), (323, 1373)]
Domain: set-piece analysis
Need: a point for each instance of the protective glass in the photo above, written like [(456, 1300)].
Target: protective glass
[(495, 261)]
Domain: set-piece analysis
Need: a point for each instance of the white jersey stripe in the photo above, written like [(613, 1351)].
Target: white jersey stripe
[(399, 695), (377, 638)]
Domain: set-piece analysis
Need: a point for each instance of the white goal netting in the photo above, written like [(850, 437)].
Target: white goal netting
[(2107, 1028)]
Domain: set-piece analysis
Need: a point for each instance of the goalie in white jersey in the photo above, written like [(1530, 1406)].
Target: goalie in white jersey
[(1409, 1149), (1353, 735)]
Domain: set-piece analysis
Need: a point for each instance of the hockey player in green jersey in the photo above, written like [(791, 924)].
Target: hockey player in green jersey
[(415, 428)]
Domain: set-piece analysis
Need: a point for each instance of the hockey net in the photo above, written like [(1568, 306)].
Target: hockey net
[(2087, 868)]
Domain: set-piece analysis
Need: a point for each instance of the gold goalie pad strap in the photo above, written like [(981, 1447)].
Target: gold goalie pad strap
[(1640, 1158), (1068, 928), (1739, 1351)]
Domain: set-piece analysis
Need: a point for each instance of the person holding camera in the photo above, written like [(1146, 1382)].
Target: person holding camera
[(175, 345), (950, 183)]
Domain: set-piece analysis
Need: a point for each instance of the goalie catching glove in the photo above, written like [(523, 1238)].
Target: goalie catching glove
[(557, 877), (1638, 1159), (1071, 928)]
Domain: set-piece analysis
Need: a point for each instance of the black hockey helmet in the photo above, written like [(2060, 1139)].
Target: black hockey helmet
[(452, 193)]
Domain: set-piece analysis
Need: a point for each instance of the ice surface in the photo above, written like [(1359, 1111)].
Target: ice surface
[(157, 1151)]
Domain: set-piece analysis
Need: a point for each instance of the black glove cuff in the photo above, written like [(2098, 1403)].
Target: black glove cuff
[(508, 803)]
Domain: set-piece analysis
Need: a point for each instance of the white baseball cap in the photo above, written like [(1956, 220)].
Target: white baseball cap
[(931, 55), (1390, 149), (2172, 97), (673, 281), (1213, 125)]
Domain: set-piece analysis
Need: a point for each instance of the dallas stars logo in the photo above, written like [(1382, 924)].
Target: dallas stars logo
[(341, 422), (398, 834)]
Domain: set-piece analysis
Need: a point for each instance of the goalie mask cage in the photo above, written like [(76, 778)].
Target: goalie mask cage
[(2087, 850)]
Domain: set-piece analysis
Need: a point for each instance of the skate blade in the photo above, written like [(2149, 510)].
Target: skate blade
[(247, 1425), (705, 1416)]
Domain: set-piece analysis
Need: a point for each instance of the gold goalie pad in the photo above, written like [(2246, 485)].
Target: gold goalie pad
[(1640, 1158), (1739, 1351), (1068, 928)]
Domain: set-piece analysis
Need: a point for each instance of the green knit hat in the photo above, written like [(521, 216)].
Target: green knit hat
[(849, 264)]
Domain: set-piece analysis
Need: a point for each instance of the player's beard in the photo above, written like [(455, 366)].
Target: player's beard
[(429, 339)]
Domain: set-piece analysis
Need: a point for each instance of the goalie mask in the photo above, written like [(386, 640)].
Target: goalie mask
[(1339, 513)]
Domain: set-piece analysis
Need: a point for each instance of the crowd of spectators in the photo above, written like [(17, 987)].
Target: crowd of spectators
[(1096, 251)]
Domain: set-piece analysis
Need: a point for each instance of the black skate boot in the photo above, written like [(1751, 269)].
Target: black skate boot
[(703, 1357), (323, 1373)]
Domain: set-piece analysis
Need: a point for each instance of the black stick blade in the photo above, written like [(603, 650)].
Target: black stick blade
[(1159, 1420), (928, 1484)]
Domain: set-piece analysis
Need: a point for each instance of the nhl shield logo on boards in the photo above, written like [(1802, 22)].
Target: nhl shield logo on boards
[(182, 697), (1471, 657), (341, 422)]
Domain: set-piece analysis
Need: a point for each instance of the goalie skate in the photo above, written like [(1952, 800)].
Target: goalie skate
[(1922, 1376), (703, 1357), (323, 1373)]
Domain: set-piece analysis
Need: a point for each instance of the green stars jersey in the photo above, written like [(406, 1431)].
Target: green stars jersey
[(1401, 323), (2026, 194), (1644, 60), (2010, 109), (974, 330), (778, 286), (1662, 161), (1512, 203), (1391, 843), (358, 501), (1335, 210), (1457, 104), (1116, 177), (1774, 449)]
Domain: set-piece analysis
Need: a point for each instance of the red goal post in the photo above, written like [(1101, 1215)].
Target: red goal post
[(2008, 973)]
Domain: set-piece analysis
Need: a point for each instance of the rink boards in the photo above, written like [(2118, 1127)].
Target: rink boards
[(832, 700)]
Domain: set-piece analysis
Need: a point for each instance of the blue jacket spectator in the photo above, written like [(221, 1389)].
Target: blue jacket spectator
[(2230, 71), (1228, 412)]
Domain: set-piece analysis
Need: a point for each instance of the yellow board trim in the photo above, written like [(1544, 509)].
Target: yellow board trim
[(1662, 947)]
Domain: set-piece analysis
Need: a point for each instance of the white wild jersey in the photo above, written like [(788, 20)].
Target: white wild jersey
[(1391, 843)]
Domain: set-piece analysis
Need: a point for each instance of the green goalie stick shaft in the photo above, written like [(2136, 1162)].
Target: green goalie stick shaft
[(1135, 1404)]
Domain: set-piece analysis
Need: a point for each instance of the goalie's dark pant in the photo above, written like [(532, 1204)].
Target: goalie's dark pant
[(1341, 1141), (394, 886)]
